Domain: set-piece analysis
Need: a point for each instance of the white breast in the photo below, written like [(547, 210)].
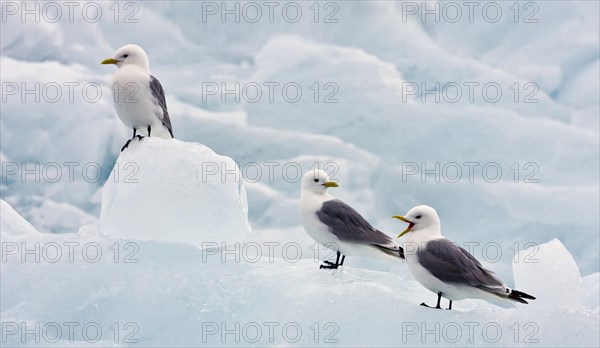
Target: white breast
[(133, 98), (309, 204)]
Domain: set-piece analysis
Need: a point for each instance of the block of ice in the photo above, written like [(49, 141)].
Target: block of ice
[(169, 190), (549, 273), (11, 223)]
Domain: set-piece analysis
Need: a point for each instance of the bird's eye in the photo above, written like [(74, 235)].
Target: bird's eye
[(316, 180), (125, 55), (418, 216)]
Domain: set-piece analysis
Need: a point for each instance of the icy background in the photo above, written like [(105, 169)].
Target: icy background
[(367, 136)]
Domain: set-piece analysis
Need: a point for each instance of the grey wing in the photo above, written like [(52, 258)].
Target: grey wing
[(159, 94), (452, 264), (349, 226)]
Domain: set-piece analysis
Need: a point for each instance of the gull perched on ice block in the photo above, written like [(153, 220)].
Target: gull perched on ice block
[(337, 226), (138, 96), (447, 269)]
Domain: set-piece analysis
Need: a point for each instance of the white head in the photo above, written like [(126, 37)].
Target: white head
[(421, 219), (130, 55), (317, 181)]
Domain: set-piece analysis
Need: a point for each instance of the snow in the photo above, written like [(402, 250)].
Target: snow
[(177, 294), (370, 139), (174, 191)]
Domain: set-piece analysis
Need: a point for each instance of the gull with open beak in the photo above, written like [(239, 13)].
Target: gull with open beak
[(447, 269), (337, 226), (138, 96)]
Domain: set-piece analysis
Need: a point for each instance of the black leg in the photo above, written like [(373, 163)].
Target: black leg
[(450, 305), (149, 129), (343, 258), (438, 302), (126, 144), (135, 135), (330, 265)]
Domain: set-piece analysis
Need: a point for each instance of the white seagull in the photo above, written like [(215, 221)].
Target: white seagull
[(447, 269), (336, 226), (138, 96)]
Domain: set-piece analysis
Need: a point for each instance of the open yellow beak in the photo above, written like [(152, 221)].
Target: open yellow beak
[(109, 61), (331, 184), (410, 224)]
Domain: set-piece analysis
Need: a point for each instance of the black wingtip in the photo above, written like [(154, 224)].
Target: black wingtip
[(399, 253), (519, 296), (517, 299)]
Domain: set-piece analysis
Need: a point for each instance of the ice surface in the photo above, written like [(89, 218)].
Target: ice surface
[(178, 295), (591, 284), (12, 223), (174, 191), (549, 273)]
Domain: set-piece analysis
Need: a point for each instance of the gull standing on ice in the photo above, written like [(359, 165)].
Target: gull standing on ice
[(138, 96), (447, 269), (336, 226)]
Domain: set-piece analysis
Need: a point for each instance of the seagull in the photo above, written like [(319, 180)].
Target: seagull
[(138, 96), (447, 269), (336, 226)]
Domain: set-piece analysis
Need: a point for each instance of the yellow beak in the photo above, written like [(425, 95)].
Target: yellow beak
[(410, 224), (331, 184), (109, 61)]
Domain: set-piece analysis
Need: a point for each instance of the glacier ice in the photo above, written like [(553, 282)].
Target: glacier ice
[(370, 133), (370, 130), (161, 294), (174, 191), (550, 272), (13, 223)]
